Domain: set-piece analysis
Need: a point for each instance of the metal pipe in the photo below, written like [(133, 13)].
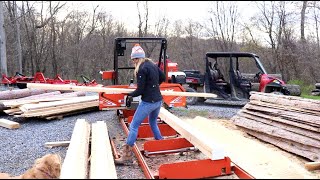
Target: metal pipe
[(171, 151)]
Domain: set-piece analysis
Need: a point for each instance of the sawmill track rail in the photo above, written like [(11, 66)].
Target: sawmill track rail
[(174, 156)]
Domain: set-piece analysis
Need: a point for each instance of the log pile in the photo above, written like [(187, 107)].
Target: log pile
[(48, 105), (288, 122)]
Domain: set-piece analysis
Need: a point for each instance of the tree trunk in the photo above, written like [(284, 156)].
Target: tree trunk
[(18, 44), (303, 15), (3, 54)]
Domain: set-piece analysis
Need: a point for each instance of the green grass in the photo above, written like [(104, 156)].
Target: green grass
[(305, 89), (310, 97)]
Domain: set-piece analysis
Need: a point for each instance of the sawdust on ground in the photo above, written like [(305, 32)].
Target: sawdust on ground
[(260, 159)]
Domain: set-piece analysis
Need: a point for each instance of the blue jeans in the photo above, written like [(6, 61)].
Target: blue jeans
[(144, 109)]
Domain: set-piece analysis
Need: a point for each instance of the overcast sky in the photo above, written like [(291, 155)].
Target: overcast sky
[(126, 11)]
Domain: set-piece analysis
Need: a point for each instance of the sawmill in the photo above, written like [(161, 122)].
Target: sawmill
[(274, 119), (192, 148)]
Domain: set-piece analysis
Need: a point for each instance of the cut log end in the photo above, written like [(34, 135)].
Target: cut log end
[(310, 166)]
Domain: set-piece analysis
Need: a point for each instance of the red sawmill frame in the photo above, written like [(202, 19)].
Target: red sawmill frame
[(192, 169)]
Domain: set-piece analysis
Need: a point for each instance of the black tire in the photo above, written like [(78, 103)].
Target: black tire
[(191, 100), (173, 79), (22, 85), (206, 84), (201, 99), (294, 89)]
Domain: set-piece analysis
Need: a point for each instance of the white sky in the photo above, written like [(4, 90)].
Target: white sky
[(126, 11)]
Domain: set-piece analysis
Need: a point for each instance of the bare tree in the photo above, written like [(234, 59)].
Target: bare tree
[(53, 11), (3, 54), (191, 44), (316, 20), (223, 22), (143, 19), (12, 10), (143, 27), (94, 20), (266, 23), (161, 27), (303, 16)]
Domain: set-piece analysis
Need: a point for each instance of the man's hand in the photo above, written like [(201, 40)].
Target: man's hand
[(129, 99)]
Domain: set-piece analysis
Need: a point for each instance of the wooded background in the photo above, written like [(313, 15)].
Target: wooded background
[(82, 42)]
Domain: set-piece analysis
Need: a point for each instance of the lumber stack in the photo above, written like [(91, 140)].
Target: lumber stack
[(54, 109), (288, 122), (49, 105), (45, 97)]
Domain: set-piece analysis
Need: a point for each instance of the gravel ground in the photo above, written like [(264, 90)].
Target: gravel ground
[(20, 147), (210, 110)]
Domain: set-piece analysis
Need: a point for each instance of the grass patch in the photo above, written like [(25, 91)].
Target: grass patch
[(310, 97), (305, 89)]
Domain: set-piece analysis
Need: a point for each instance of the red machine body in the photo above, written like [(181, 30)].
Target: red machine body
[(117, 100), (173, 144), (267, 80), (21, 80)]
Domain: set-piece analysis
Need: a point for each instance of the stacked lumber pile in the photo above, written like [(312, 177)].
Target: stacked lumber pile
[(288, 122), (46, 104)]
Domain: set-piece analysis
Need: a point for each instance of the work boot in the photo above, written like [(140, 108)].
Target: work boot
[(126, 156)]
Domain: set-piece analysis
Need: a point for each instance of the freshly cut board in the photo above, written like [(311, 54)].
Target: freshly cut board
[(111, 90)]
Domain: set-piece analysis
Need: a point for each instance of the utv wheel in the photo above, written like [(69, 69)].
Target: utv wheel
[(294, 89), (173, 79), (22, 85), (201, 99), (191, 100)]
